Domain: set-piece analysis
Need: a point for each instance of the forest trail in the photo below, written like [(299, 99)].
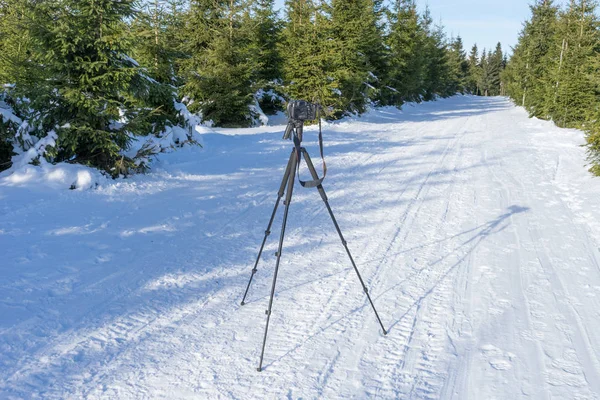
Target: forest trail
[(476, 229)]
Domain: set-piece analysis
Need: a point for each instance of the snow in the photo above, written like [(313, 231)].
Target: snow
[(476, 229)]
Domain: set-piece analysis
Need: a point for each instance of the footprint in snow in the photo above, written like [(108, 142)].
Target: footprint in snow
[(498, 359)]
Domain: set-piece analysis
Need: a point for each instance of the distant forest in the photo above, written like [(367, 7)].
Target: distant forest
[(555, 69), (93, 75)]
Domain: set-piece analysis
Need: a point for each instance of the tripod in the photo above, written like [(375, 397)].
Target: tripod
[(288, 179)]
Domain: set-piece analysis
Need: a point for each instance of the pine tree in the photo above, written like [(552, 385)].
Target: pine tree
[(575, 71), (474, 71), (495, 66), (406, 57), (485, 79), (265, 36), (437, 71), (527, 71), (308, 56), (87, 93), (219, 69), (458, 66), (355, 32), (157, 45)]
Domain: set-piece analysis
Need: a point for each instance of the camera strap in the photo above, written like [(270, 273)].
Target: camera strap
[(316, 182)]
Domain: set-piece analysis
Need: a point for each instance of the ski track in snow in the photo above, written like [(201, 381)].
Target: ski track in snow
[(476, 230)]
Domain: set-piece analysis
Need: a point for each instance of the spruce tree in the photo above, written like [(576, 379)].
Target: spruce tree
[(355, 32), (86, 93), (575, 71), (437, 69), (406, 56), (495, 65), (308, 56), (458, 66), (485, 79), (474, 71), (157, 43), (157, 50), (219, 69), (526, 75), (265, 35)]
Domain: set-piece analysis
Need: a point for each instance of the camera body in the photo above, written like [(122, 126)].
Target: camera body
[(298, 112), (302, 110)]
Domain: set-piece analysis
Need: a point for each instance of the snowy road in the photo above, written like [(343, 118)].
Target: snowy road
[(476, 229)]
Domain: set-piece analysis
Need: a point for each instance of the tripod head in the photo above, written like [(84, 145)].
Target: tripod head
[(298, 112)]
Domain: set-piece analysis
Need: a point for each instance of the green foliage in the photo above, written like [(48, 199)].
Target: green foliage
[(8, 130), (437, 67), (459, 66), (157, 49), (593, 148), (489, 73), (407, 59), (355, 34), (87, 91), (553, 70), (219, 68), (474, 72), (265, 34), (308, 56), (265, 55), (157, 45)]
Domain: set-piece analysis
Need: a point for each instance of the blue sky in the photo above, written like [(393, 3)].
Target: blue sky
[(483, 22)]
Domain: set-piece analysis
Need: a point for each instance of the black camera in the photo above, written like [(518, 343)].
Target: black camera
[(302, 110)]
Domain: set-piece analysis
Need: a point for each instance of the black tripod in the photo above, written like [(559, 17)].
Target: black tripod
[(288, 179)]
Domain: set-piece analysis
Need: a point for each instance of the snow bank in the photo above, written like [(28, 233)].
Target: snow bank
[(50, 176)]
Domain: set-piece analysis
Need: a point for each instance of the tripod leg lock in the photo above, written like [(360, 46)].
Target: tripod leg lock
[(267, 233), (366, 290), (254, 270), (267, 312), (344, 242), (276, 254)]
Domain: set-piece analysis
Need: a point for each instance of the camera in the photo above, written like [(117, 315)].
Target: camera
[(302, 110)]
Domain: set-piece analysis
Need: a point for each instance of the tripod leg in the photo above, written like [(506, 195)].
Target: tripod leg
[(288, 200), (290, 167), (313, 172)]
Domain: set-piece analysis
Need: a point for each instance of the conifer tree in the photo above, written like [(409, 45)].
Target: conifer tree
[(356, 35), (474, 71), (264, 51), (436, 55), (307, 56), (156, 47), (495, 64), (157, 43), (86, 93), (266, 31), (575, 71), (527, 72), (219, 69), (458, 66), (485, 78), (406, 41)]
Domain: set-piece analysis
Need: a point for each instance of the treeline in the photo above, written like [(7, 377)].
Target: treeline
[(553, 72), (90, 76)]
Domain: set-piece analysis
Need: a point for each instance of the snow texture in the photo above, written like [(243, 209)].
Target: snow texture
[(476, 229)]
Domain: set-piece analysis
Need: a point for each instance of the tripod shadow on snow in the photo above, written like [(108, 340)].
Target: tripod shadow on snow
[(480, 233)]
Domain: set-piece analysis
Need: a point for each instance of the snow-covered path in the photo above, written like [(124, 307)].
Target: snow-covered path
[(476, 229)]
